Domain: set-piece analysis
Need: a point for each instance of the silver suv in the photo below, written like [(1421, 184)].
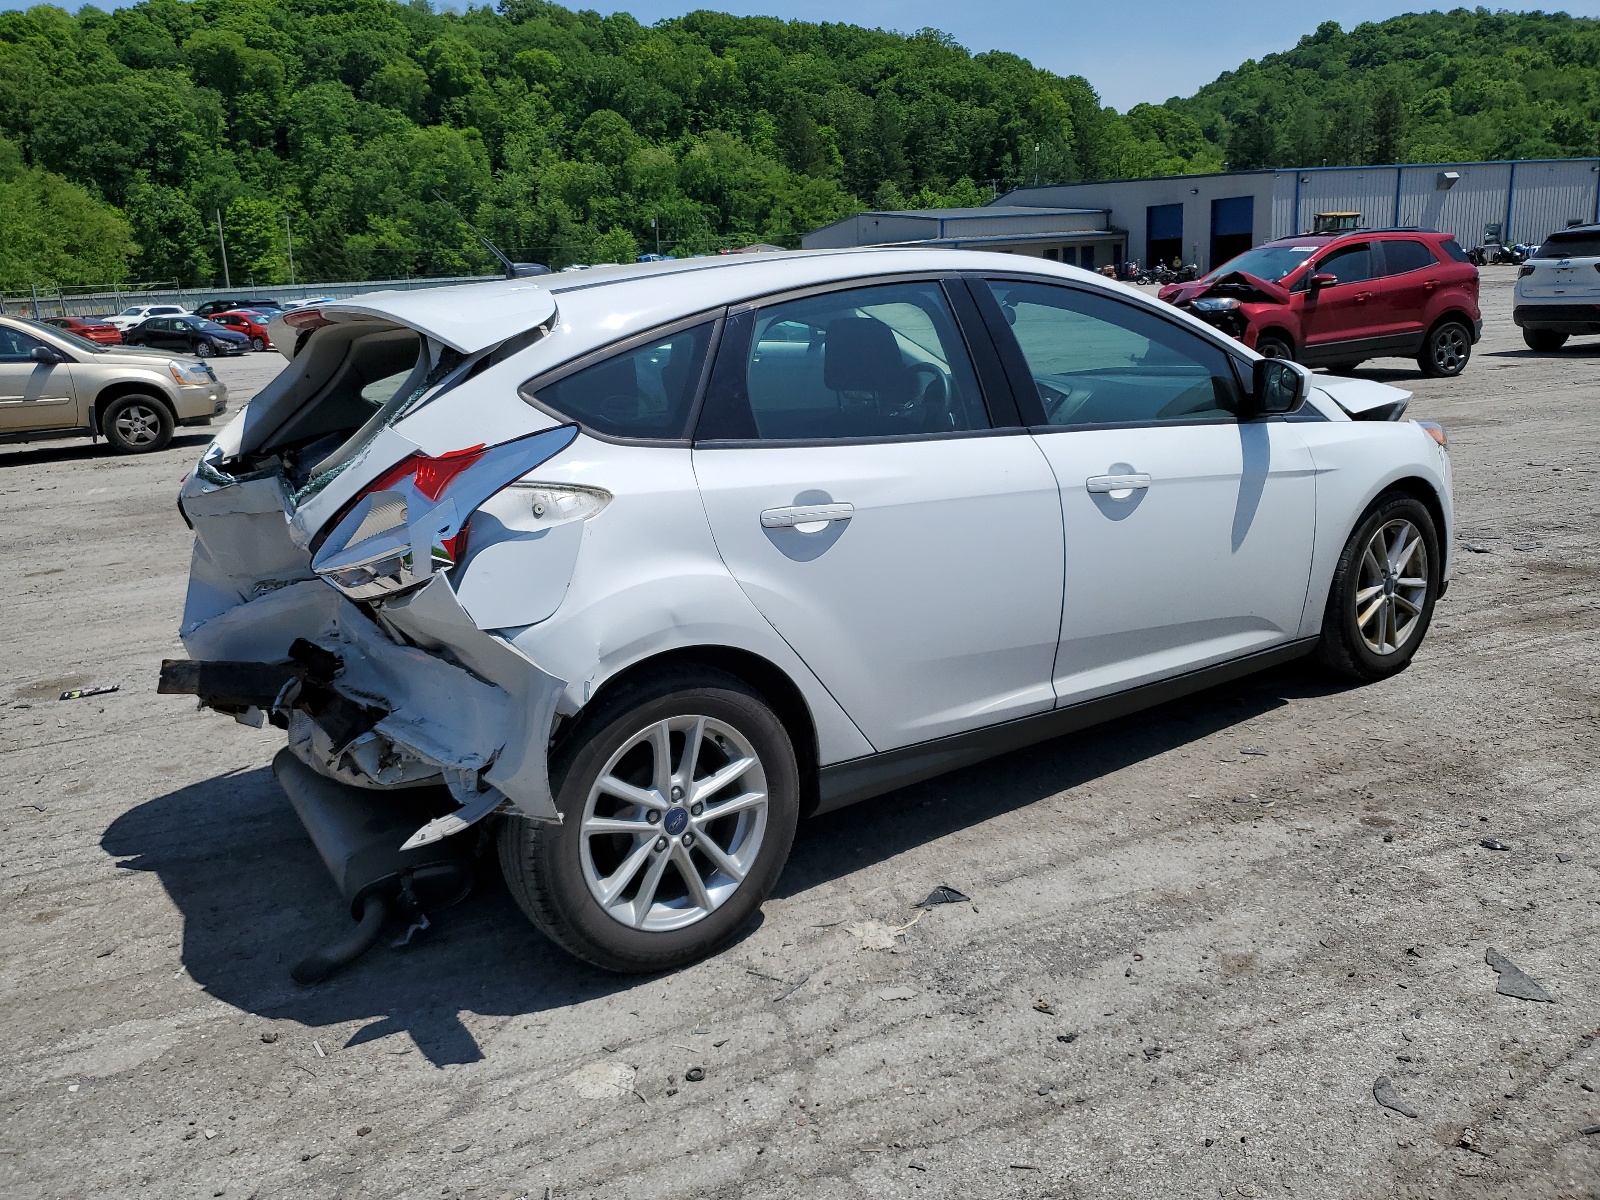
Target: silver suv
[(1558, 289), (55, 384)]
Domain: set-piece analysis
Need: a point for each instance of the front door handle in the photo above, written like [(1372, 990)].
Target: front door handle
[(805, 514), (1117, 483), (1363, 297)]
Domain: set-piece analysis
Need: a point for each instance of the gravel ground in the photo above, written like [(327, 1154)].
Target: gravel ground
[(1184, 965)]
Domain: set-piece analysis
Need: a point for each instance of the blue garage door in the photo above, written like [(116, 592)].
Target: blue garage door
[(1232, 227), (1163, 236)]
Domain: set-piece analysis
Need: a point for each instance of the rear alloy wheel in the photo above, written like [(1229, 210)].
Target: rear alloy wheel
[(258, 344), (202, 349), (1384, 588), (1544, 339), (1446, 351), (679, 800), (136, 424), (1272, 346)]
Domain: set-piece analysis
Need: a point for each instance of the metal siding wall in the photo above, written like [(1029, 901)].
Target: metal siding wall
[(1000, 225), (1366, 190), (1549, 195), (1285, 221), (1477, 199)]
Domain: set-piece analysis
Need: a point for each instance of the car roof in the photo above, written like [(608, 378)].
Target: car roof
[(608, 303)]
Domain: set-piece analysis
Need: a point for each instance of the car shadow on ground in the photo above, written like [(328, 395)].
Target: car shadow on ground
[(255, 897), (22, 454), (1570, 350)]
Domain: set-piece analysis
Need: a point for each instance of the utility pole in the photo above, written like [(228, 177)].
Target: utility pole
[(226, 282), (1035, 165), (288, 239), (655, 223)]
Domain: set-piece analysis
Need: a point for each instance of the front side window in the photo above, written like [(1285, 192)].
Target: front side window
[(1407, 255), (870, 362), (16, 346), (1352, 264), (1098, 361), (644, 392)]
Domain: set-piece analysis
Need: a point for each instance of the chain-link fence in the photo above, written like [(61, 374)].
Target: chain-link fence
[(51, 301)]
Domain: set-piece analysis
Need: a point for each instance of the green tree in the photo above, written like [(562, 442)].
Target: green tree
[(54, 232)]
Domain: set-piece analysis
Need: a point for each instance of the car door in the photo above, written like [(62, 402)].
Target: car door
[(1404, 291), (904, 542), (1343, 311), (33, 395), (1188, 533)]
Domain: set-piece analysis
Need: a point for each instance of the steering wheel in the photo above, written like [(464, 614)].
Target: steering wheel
[(1061, 404), (933, 398)]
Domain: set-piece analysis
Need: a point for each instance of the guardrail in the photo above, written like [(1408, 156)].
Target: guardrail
[(61, 303)]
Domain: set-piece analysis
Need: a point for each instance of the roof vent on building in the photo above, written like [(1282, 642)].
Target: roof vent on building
[(1448, 180)]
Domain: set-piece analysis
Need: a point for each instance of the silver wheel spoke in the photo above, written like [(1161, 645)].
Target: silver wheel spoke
[(1408, 552), (1409, 582), (598, 825), (1366, 594), (712, 784), (691, 755), (732, 805), (644, 797), (646, 899), (661, 747), (691, 877), (1410, 607), (1365, 619), (616, 883), (724, 861)]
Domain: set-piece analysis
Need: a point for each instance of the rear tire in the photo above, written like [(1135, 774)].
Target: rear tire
[(1544, 339), (1446, 350), (1272, 346), (258, 344), (202, 349), (136, 424), (643, 874), (1380, 605), (1344, 368)]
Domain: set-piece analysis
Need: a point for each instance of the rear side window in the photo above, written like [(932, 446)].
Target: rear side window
[(872, 362), (1571, 245), (1454, 250), (1408, 255), (644, 392)]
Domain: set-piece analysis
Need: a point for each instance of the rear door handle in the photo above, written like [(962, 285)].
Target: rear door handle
[(1429, 284), (805, 514), (1117, 483)]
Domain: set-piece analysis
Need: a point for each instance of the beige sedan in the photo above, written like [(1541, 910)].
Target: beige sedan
[(55, 384)]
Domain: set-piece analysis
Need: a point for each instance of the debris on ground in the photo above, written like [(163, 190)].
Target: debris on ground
[(1384, 1093), (363, 1130), (602, 1080), (896, 993), (1476, 549), (1493, 844), (1256, 751), (1563, 858), (873, 935), (789, 990), (942, 895), (694, 1075), (1043, 1004), (1589, 1130), (270, 1036), (1469, 1140), (1067, 1038), (1513, 982), (82, 693)]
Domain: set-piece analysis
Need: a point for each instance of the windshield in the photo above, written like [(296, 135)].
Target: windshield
[(1571, 245), (1271, 263), (67, 336), (205, 326)]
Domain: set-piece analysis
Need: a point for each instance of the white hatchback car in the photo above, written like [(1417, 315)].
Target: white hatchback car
[(649, 562), (1558, 289)]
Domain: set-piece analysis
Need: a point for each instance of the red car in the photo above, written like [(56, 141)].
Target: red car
[(90, 328), (1335, 300), (248, 322)]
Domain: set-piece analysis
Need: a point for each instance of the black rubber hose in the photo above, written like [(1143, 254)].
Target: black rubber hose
[(314, 968)]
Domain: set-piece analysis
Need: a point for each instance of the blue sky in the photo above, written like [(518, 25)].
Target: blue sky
[(1131, 51)]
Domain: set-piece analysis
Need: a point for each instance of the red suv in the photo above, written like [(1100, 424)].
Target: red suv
[(1335, 300)]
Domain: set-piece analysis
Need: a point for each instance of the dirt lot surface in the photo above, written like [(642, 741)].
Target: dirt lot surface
[(1195, 939)]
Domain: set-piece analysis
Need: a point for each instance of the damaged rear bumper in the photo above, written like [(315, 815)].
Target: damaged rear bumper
[(373, 700)]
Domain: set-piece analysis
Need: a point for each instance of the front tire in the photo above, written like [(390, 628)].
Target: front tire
[(1384, 589), (1545, 340), (258, 344), (679, 797), (136, 424), (1270, 345), (1446, 350)]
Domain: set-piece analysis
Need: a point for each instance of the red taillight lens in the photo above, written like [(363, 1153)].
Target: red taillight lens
[(430, 476), (305, 318)]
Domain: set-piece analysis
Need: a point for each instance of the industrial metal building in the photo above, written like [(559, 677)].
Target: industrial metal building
[(1081, 236), (1207, 219)]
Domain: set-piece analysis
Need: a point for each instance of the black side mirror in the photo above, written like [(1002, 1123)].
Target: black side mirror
[(1278, 386), (43, 354)]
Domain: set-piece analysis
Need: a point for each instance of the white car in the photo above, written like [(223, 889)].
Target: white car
[(649, 563), (1558, 289), (129, 317)]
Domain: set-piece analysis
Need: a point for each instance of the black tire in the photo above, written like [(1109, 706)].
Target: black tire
[(1271, 345), (1345, 649), (202, 349), (1446, 350), (544, 864), (1544, 339), (258, 344), (136, 424)]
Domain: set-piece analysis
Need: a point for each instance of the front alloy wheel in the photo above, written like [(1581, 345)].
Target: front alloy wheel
[(1393, 586), (1384, 587), (679, 794)]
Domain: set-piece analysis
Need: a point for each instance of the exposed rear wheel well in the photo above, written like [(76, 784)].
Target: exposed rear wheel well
[(775, 687), (1454, 317)]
